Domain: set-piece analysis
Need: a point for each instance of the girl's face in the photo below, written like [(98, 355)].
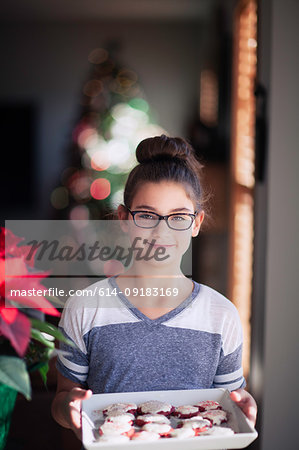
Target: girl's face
[(165, 197)]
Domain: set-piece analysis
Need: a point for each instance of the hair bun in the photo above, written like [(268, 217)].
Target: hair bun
[(162, 147)]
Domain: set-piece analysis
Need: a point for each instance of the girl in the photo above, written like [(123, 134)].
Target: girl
[(189, 340)]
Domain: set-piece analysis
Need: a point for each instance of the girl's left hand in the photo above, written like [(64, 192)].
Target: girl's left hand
[(246, 402)]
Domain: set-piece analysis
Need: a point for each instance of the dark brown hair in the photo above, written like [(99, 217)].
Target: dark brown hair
[(166, 158)]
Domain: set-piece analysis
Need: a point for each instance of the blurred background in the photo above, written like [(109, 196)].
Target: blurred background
[(83, 82)]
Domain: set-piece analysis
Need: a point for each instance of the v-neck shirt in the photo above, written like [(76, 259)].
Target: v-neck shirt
[(173, 312), (196, 345)]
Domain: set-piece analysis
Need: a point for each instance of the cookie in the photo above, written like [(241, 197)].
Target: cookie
[(155, 407), (124, 407), (151, 418), (182, 433), (186, 411), (163, 429), (145, 436), (199, 426), (118, 417), (216, 416), (111, 428), (219, 431), (207, 405)]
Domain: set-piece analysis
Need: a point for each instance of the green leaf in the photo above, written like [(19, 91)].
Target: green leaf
[(35, 366), (43, 370), (52, 330), (14, 374), (36, 334)]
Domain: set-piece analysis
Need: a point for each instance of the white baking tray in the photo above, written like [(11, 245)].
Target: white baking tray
[(244, 432)]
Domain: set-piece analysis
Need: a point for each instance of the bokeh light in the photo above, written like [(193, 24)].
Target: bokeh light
[(100, 160), (80, 212), (80, 186), (98, 56), (95, 143), (119, 151), (87, 137), (126, 78), (115, 118), (100, 188), (139, 103), (93, 88), (148, 130), (60, 197), (117, 198)]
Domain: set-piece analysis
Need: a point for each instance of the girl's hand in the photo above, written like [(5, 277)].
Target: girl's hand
[(72, 410), (66, 405), (246, 402)]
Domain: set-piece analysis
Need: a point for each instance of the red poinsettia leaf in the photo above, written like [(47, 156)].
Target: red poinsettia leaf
[(18, 267), (8, 242), (25, 292), (13, 267), (9, 247), (16, 282), (8, 314), (18, 332), (29, 259), (2, 270), (2, 242), (26, 252)]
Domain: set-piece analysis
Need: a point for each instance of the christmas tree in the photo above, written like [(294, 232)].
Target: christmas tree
[(114, 118)]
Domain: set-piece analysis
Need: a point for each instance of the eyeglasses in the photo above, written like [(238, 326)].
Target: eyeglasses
[(176, 221)]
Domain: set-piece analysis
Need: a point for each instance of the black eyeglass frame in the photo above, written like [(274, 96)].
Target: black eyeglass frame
[(192, 215)]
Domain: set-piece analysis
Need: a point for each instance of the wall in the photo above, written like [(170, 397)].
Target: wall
[(281, 364), (47, 63)]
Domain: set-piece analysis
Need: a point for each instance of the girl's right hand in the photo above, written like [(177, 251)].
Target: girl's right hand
[(72, 410)]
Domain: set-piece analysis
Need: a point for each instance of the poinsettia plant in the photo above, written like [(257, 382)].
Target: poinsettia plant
[(26, 339)]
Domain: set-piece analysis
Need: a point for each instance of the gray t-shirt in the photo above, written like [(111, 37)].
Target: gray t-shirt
[(197, 345)]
